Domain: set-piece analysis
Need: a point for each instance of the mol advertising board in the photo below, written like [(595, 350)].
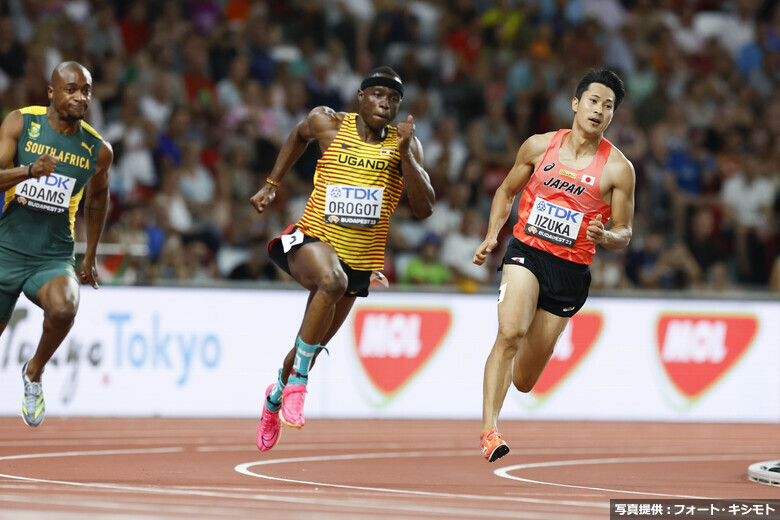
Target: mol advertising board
[(188, 352)]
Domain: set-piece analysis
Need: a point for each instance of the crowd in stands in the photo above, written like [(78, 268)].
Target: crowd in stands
[(197, 96)]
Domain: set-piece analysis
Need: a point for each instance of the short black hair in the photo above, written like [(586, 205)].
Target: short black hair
[(384, 69), (607, 78)]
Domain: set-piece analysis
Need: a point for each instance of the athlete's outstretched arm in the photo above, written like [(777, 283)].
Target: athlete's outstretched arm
[(10, 133), (96, 209), (322, 124), (516, 179), (416, 179), (622, 204)]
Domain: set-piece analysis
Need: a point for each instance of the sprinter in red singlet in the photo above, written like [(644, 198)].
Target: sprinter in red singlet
[(575, 182)]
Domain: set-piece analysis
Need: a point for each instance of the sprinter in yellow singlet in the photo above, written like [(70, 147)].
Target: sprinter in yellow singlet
[(52, 158), (340, 240)]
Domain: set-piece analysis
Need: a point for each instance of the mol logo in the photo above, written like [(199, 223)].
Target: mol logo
[(393, 344), (577, 340), (697, 350)]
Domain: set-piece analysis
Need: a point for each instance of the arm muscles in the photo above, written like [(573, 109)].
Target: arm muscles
[(622, 208), (10, 132), (516, 179), (418, 183), (96, 202)]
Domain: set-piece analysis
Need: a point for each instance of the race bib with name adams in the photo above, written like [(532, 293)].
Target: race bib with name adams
[(357, 206), (49, 194), (557, 224)]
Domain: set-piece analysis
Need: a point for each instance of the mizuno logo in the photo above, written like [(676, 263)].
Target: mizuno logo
[(89, 148)]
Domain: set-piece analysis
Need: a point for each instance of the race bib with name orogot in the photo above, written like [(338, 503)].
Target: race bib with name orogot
[(353, 205), (50, 194), (557, 224)]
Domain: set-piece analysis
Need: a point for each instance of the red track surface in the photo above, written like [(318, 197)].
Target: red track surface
[(354, 469)]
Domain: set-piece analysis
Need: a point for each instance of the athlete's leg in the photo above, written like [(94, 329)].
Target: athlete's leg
[(536, 347), (2, 327), (343, 307), (59, 299), (316, 267), (519, 292)]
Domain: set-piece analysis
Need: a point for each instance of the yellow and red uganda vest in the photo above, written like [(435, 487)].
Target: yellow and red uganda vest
[(558, 202), (356, 188), (39, 214)]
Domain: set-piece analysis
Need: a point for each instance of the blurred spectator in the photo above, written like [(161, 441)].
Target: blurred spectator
[(133, 138), (257, 266), (493, 143), (447, 143), (426, 268), (458, 252), (13, 56), (158, 105), (748, 196), (655, 264), (134, 27), (105, 38)]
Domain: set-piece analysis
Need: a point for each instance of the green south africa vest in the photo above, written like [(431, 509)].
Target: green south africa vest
[(39, 214)]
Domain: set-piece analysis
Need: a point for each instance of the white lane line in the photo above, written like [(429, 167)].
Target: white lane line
[(244, 469), (367, 504), (135, 451), (504, 472)]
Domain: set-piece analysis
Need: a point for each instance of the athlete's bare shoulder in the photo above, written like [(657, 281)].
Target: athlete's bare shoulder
[(323, 116), (322, 124), (618, 168), (532, 150), (13, 123), (619, 162)]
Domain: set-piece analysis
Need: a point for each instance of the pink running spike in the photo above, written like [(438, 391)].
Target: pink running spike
[(293, 397), (270, 428)]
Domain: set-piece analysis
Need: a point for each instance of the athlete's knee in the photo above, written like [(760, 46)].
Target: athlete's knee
[(511, 333), (333, 283), (61, 314)]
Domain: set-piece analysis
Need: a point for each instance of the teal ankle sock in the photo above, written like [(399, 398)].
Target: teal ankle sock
[(274, 400), (304, 353)]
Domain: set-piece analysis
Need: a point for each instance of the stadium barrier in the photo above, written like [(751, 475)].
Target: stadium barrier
[(140, 351)]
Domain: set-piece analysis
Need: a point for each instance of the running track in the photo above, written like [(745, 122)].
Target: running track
[(71, 468)]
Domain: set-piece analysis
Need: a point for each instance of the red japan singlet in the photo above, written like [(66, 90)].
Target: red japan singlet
[(558, 202)]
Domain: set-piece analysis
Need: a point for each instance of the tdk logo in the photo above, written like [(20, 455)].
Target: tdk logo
[(558, 212), (58, 181), (354, 193)]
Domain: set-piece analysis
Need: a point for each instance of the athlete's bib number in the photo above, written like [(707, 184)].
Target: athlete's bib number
[(557, 224), (292, 239), (46, 194), (353, 205)]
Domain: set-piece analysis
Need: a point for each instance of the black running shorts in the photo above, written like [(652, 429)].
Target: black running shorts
[(563, 285), (357, 281)]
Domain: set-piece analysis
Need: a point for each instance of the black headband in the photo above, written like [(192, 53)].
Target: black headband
[(382, 81)]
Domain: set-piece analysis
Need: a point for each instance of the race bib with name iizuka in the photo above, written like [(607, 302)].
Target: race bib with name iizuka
[(353, 205), (557, 224), (49, 194)]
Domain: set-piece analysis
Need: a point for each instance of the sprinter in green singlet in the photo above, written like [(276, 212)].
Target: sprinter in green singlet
[(340, 240), (53, 158)]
